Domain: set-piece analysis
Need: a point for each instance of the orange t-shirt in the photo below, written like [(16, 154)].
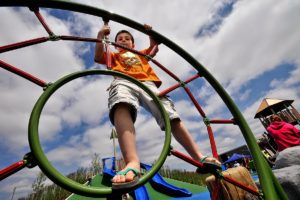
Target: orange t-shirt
[(133, 65)]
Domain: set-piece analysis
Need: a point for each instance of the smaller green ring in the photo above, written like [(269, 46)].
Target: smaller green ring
[(57, 177)]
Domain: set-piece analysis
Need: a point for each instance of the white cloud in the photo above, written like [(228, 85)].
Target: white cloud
[(249, 44)]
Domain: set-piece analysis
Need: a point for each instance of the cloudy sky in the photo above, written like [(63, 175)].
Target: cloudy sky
[(250, 47)]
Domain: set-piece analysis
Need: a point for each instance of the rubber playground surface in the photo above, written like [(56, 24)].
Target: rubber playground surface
[(198, 192)]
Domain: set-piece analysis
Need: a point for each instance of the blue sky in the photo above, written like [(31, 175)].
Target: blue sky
[(250, 47)]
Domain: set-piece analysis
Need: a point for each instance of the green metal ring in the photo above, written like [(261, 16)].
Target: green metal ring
[(56, 176)]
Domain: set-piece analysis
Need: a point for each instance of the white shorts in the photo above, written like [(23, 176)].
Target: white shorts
[(124, 91)]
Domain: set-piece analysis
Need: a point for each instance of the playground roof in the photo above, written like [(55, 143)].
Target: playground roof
[(267, 104)]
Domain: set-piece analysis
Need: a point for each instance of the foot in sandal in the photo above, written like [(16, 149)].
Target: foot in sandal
[(210, 165), (126, 178)]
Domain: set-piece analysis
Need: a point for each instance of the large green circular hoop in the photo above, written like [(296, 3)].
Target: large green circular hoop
[(62, 180)]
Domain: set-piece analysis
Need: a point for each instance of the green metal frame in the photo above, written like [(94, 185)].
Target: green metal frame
[(56, 176), (271, 189)]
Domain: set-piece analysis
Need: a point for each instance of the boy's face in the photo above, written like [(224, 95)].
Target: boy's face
[(124, 39)]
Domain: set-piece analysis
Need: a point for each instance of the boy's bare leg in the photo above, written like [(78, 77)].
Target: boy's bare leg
[(126, 137), (183, 136)]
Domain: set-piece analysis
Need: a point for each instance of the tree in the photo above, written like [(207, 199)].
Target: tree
[(96, 166), (38, 185)]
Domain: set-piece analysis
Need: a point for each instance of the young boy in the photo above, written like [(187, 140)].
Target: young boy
[(125, 98)]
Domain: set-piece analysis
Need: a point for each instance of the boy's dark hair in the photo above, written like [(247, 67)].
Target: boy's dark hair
[(124, 31)]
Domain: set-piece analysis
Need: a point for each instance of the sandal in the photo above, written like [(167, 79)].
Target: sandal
[(208, 166), (126, 185)]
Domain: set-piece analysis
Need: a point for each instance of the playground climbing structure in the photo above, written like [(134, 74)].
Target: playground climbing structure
[(271, 190)]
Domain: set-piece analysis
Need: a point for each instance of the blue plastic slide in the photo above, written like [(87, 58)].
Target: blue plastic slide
[(140, 193), (159, 184)]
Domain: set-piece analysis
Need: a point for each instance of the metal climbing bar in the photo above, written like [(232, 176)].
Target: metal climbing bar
[(209, 129), (76, 38), (202, 113), (23, 44), (170, 89), (22, 74), (165, 70), (43, 22), (153, 51), (193, 99), (241, 185), (12, 169), (186, 158), (222, 121), (213, 145)]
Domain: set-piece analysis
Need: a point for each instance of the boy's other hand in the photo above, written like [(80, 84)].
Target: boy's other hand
[(148, 27), (105, 30)]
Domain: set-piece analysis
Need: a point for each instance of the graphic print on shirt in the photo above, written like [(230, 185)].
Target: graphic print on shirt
[(131, 62)]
